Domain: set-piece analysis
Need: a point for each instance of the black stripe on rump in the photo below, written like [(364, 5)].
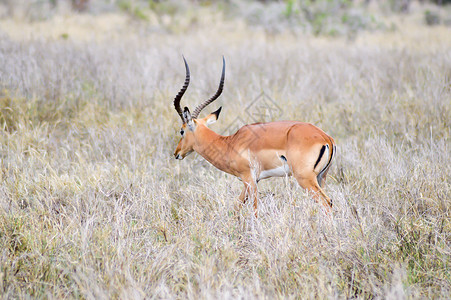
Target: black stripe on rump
[(321, 152)]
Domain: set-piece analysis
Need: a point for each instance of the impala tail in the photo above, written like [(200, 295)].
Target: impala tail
[(324, 159)]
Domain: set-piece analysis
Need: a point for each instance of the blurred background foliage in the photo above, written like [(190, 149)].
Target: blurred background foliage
[(317, 17)]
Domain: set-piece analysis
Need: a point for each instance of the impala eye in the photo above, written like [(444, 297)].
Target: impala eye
[(182, 132)]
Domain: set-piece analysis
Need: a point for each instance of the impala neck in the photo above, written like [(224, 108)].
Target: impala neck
[(213, 147)]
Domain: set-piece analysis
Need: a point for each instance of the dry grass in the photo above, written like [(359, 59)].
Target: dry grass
[(93, 205)]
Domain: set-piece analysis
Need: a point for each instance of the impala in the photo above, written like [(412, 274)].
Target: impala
[(257, 151)]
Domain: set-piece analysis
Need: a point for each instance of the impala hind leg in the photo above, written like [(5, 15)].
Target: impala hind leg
[(311, 184)]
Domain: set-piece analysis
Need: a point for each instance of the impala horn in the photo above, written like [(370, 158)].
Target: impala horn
[(200, 107), (181, 92)]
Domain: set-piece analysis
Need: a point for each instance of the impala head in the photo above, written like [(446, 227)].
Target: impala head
[(190, 122)]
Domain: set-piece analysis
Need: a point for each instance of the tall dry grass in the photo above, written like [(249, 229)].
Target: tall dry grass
[(93, 205)]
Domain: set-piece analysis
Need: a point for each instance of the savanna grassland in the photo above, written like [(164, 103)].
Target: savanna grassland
[(94, 205)]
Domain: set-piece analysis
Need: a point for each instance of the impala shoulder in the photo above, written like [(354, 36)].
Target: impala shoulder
[(247, 128)]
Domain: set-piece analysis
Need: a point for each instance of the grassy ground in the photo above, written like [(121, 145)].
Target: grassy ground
[(93, 205)]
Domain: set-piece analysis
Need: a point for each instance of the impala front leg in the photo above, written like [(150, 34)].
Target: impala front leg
[(242, 199), (253, 192), (249, 190)]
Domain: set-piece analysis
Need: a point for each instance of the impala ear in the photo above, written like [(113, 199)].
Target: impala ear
[(211, 118), (188, 119)]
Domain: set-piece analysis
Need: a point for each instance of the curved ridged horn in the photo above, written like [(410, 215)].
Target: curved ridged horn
[(181, 92), (218, 93)]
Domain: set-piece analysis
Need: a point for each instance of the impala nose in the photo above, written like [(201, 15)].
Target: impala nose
[(178, 156)]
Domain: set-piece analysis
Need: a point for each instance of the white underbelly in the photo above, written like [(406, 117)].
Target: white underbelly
[(281, 171)]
